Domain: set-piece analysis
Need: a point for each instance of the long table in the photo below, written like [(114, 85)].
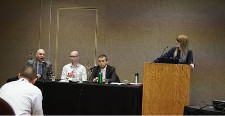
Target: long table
[(69, 98), (204, 110)]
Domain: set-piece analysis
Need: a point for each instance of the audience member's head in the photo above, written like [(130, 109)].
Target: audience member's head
[(28, 72)]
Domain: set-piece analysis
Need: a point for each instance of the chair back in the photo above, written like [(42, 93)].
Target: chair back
[(5, 108)]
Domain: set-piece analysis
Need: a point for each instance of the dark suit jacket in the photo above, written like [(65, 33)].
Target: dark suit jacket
[(46, 68), (110, 73)]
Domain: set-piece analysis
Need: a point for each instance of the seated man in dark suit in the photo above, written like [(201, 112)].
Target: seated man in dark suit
[(108, 72), (43, 67)]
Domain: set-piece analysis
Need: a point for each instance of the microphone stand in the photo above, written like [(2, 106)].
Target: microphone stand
[(164, 51), (91, 69), (161, 56)]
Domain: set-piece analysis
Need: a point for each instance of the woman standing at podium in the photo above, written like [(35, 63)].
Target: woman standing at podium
[(181, 52)]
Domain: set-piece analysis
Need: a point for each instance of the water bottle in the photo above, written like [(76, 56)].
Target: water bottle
[(100, 78), (53, 78), (136, 78)]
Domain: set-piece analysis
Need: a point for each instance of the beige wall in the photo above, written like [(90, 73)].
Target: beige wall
[(130, 32)]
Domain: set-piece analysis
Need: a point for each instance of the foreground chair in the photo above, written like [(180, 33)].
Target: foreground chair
[(5, 108)]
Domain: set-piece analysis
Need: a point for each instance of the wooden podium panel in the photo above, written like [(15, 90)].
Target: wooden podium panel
[(165, 88)]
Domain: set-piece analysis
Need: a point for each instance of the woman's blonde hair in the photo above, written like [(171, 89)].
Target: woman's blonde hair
[(184, 42)]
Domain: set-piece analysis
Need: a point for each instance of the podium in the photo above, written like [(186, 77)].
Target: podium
[(165, 88)]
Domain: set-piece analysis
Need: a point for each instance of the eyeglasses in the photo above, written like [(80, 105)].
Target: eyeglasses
[(73, 56)]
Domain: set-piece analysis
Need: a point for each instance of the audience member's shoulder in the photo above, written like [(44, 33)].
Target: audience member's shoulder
[(35, 88)]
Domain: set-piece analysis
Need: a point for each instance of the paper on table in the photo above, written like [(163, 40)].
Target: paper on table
[(63, 81), (114, 83), (135, 83)]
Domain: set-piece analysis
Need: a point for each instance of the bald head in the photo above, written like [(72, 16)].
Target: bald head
[(40, 51), (74, 53), (74, 57), (40, 55), (28, 72)]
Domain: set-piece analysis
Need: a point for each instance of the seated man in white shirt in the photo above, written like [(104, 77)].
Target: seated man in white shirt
[(22, 95), (74, 70)]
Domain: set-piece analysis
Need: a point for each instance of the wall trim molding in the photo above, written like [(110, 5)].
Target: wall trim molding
[(57, 32)]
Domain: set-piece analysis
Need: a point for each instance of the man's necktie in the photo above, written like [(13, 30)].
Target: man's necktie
[(40, 69)]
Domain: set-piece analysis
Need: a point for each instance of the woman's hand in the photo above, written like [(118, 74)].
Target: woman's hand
[(192, 66)]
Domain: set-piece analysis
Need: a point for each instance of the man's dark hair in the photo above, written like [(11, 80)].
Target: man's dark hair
[(103, 55), (28, 72)]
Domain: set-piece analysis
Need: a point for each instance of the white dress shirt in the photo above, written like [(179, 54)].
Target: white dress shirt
[(103, 71), (23, 96), (79, 71)]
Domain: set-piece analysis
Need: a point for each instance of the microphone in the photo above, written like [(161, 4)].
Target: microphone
[(164, 50), (158, 59), (91, 69), (43, 62)]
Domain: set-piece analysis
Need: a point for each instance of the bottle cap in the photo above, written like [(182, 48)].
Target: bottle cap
[(136, 74)]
